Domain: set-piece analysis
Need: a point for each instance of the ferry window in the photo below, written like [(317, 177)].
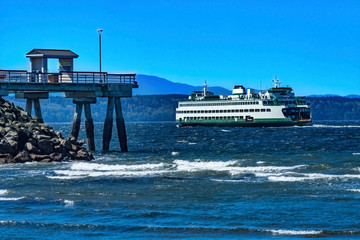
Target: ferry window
[(268, 110), (241, 110), (202, 111), (246, 110), (262, 110), (233, 110), (236, 110), (206, 111), (257, 110), (217, 117), (251, 110), (221, 111), (217, 111), (265, 102)]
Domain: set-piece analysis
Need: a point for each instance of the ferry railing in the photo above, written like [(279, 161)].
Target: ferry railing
[(20, 76)]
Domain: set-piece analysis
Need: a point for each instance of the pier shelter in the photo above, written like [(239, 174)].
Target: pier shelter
[(83, 87)]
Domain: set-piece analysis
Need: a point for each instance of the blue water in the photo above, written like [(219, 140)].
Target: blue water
[(193, 183)]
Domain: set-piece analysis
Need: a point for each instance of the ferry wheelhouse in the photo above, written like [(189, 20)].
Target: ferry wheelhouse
[(278, 106)]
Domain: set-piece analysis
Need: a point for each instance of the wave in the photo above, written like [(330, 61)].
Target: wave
[(69, 203), (4, 191), (332, 126), (295, 232), (230, 171), (156, 229), (231, 168), (11, 199), (311, 177)]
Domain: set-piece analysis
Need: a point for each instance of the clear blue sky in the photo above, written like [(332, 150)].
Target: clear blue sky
[(312, 45)]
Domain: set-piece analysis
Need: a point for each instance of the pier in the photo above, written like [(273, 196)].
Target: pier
[(83, 87)]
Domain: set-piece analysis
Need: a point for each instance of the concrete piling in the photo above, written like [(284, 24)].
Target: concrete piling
[(37, 109), (89, 125), (29, 106), (108, 123), (76, 121), (120, 123)]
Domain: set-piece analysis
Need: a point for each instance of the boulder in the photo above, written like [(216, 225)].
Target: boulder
[(22, 157), (45, 146)]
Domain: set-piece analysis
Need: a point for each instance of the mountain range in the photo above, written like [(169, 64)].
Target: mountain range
[(152, 85)]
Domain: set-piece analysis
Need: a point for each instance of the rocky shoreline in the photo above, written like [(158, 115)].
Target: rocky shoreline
[(24, 139)]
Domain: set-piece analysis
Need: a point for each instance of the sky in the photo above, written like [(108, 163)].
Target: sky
[(311, 45)]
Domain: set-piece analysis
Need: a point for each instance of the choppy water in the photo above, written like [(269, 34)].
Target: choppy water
[(193, 183)]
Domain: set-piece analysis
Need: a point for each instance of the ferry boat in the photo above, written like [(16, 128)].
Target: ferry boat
[(278, 106)]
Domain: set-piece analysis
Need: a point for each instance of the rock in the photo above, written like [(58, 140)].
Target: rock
[(42, 136), (6, 158), (58, 148), (23, 139), (45, 146), (22, 157), (82, 154), (38, 157), (81, 142), (57, 157), (5, 147)]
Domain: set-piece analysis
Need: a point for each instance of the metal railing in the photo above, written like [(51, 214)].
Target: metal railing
[(20, 76)]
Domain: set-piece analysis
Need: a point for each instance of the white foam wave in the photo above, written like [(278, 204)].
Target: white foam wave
[(228, 180), (175, 153), (224, 130), (65, 177), (309, 177), (354, 190), (10, 199), (4, 192), (82, 166), (83, 169), (356, 154), (333, 126), (295, 232), (69, 203)]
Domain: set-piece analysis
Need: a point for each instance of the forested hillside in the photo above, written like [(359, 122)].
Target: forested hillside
[(162, 108)]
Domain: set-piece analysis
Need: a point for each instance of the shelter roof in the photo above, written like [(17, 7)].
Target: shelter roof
[(51, 53)]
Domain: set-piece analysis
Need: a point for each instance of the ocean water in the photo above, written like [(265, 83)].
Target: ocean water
[(193, 183)]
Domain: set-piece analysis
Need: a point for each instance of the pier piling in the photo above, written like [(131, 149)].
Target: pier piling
[(120, 123), (76, 121), (29, 106), (89, 125), (108, 123), (37, 109)]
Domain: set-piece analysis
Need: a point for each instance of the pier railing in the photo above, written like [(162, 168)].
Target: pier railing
[(20, 76)]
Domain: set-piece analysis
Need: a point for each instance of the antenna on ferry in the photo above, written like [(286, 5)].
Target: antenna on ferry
[(205, 88), (276, 82)]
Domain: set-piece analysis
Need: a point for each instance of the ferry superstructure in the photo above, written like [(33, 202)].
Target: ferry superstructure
[(278, 106)]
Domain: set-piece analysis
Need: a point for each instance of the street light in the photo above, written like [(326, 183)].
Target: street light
[(100, 31)]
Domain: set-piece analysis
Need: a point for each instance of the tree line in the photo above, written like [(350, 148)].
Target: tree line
[(162, 108)]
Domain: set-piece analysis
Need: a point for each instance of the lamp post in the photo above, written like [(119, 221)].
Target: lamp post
[(100, 31)]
